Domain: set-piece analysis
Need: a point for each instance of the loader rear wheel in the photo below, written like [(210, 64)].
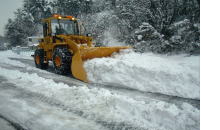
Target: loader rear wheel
[(39, 59), (62, 60)]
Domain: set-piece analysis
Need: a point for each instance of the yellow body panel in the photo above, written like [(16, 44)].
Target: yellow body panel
[(81, 48)]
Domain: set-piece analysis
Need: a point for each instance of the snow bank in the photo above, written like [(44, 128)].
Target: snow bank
[(102, 105), (172, 75)]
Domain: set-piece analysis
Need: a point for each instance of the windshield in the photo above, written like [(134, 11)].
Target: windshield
[(64, 27)]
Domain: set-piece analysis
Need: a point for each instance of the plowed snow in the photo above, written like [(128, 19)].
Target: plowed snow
[(171, 75)]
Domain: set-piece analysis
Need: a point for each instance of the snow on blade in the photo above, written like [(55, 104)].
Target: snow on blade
[(172, 75)]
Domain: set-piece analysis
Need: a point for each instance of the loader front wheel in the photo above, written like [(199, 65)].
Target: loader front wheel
[(62, 61), (39, 59)]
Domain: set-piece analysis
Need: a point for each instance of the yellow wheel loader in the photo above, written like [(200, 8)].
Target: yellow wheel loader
[(67, 47)]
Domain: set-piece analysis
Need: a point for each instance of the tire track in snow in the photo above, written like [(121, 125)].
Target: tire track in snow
[(32, 97), (15, 125), (69, 80), (157, 96)]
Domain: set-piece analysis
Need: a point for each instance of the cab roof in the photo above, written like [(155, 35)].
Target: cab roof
[(59, 17)]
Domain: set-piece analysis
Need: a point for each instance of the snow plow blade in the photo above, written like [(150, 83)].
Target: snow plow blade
[(84, 54), (98, 52)]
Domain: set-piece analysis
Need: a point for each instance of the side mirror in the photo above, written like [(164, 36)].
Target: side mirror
[(88, 34)]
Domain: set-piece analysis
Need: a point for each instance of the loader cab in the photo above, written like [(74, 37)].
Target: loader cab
[(62, 25)]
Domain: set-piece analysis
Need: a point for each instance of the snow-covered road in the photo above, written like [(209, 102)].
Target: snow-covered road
[(38, 99), (34, 111)]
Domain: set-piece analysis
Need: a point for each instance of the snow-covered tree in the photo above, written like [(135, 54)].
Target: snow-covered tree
[(17, 30), (37, 9), (120, 19), (149, 39), (185, 37), (72, 7)]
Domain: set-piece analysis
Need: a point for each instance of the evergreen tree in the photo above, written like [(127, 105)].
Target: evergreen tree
[(37, 9), (120, 19), (17, 30)]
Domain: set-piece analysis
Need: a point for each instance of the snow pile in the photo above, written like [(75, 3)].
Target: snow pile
[(101, 105), (172, 75)]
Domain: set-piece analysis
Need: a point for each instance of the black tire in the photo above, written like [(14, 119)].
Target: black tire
[(65, 59), (39, 59)]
